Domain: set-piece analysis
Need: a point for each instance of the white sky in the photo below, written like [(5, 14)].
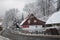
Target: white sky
[(9, 4)]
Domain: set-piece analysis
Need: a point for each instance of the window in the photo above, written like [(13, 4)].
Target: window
[(35, 21), (29, 21)]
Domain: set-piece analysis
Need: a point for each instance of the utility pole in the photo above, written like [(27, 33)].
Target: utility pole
[(22, 16), (58, 5), (48, 7), (43, 9)]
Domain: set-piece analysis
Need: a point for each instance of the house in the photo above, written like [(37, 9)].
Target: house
[(54, 22), (32, 24)]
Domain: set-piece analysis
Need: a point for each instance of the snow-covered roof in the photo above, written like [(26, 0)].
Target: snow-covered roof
[(32, 20), (54, 19), (23, 21)]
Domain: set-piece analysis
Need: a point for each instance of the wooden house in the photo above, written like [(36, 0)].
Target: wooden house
[(32, 24)]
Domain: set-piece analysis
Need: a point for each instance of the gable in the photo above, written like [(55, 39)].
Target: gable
[(32, 20)]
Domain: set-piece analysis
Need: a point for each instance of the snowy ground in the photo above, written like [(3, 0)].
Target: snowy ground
[(3, 38), (7, 33)]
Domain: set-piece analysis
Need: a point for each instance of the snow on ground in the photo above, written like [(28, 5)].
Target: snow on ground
[(3, 38), (55, 18)]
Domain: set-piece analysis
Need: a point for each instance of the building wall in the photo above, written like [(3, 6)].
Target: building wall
[(34, 28)]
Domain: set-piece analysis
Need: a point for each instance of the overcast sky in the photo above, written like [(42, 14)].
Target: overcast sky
[(9, 4)]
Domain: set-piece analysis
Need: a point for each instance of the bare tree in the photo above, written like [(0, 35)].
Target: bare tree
[(40, 8), (10, 17)]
